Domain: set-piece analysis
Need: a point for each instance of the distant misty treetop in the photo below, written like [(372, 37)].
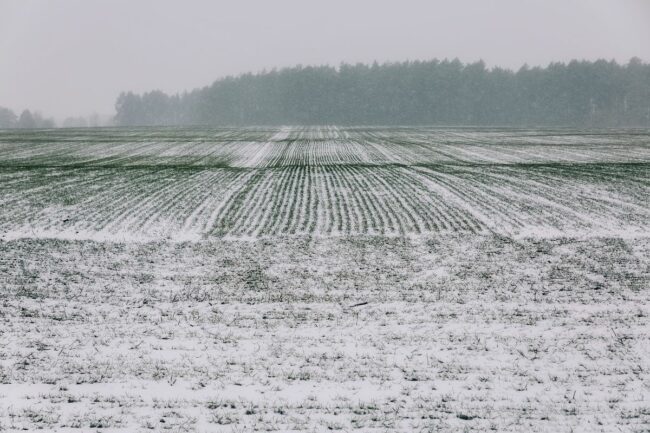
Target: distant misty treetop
[(7, 118), (26, 120), (601, 93), (34, 120)]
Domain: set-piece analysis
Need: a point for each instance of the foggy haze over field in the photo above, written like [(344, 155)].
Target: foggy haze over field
[(74, 57), (308, 216)]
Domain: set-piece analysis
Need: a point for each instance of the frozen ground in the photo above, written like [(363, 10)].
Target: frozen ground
[(318, 279)]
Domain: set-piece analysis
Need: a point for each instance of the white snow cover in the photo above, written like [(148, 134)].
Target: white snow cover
[(324, 278)]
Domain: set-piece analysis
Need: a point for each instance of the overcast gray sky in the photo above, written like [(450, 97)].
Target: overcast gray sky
[(73, 57)]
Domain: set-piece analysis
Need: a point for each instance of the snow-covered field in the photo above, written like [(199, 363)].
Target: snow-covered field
[(316, 279)]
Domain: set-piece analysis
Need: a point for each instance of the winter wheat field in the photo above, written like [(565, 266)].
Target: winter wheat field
[(317, 279)]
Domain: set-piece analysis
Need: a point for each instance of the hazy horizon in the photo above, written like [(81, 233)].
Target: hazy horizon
[(74, 58)]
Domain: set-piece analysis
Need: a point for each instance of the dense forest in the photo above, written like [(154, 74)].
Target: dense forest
[(433, 92)]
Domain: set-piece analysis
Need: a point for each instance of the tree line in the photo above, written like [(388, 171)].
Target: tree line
[(434, 92), (26, 120), (34, 120)]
